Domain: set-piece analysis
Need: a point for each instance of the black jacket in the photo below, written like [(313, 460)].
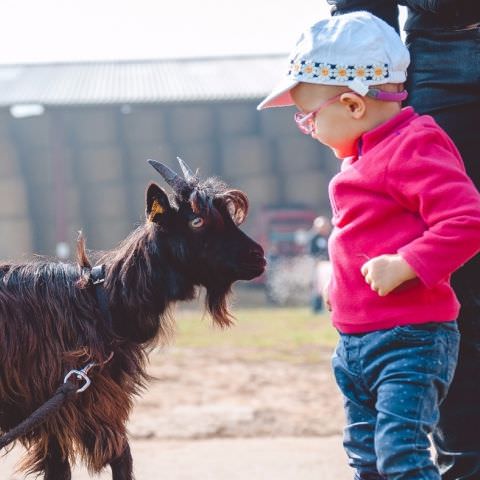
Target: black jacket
[(422, 14)]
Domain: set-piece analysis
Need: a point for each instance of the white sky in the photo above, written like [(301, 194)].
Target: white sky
[(78, 30)]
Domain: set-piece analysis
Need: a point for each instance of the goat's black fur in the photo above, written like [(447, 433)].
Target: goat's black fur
[(50, 321)]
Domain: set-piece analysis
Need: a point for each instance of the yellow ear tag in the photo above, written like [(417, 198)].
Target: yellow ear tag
[(157, 209)]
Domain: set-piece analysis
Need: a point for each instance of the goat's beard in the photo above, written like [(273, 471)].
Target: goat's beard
[(216, 301)]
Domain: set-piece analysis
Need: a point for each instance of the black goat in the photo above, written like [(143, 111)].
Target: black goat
[(51, 322)]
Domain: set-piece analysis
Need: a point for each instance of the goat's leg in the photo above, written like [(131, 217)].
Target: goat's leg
[(122, 466), (54, 465)]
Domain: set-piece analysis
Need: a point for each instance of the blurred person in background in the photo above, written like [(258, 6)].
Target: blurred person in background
[(443, 38), (318, 249)]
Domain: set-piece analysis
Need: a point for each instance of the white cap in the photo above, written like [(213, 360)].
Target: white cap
[(354, 50)]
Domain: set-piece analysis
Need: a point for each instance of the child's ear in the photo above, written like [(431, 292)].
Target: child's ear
[(355, 104), (157, 204)]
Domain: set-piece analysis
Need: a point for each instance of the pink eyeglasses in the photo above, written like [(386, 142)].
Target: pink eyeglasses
[(306, 121)]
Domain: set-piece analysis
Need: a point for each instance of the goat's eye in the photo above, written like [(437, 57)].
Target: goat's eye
[(197, 222)]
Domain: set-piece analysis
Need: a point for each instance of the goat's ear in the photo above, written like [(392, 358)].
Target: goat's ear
[(157, 203)]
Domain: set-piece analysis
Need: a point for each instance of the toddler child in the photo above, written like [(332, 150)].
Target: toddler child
[(405, 217)]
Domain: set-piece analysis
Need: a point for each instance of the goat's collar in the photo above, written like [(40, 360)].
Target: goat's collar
[(96, 279), (97, 275)]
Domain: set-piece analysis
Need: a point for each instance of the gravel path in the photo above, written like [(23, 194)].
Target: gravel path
[(222, 459)]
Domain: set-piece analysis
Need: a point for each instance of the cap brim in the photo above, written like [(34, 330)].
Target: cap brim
[(280, 95)]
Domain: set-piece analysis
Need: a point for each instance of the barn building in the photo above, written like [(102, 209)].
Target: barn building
[(74, 139)]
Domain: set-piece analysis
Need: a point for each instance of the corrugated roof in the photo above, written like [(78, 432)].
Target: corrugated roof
[(185, 80)]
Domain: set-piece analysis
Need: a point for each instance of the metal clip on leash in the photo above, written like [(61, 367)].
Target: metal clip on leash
[(81, 375), (64, 393)]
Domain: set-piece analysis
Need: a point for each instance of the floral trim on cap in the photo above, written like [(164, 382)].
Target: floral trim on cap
[(342, 73)]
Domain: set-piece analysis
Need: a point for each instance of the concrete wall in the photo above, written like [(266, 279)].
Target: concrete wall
[(84, 167)]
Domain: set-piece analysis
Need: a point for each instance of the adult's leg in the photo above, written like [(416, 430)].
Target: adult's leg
[(457, 438), (450, 92)]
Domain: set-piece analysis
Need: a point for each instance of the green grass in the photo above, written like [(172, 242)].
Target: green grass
[(271, 332)]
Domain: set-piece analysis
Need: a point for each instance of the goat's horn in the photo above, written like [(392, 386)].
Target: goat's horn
[(172, 178), (187, 171)]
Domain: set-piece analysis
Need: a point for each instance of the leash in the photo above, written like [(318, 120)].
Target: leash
[(65, 392), (70, 387)]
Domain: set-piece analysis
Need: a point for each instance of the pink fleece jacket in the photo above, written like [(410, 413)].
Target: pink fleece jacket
[(407, 193)]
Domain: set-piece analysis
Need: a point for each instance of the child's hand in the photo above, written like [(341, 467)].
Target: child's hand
[(386, 272)]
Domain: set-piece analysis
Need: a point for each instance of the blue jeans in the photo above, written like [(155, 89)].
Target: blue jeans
[(393, 382), (444, 81)]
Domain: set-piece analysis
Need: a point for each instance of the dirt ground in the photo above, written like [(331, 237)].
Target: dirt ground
[(223, 413), (318, 458)]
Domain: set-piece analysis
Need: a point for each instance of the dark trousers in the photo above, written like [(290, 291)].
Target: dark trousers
[(444, 81)]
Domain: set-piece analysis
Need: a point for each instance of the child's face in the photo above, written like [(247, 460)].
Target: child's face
[(335, 125)]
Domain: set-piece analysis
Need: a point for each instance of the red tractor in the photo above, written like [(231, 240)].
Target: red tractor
[(284, 233)]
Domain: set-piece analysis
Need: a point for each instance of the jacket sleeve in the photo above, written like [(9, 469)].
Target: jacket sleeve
[(430, 180), (387, 10), (430, 6)]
